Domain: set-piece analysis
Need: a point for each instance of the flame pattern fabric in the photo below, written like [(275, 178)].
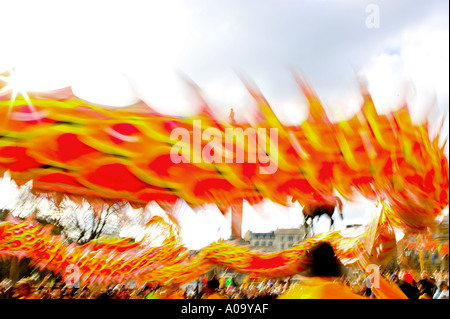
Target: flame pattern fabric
[(68, 146), (428, 245), (120, 260), (72, 148)]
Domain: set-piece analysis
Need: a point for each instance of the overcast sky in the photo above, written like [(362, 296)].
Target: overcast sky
[(117, 52)]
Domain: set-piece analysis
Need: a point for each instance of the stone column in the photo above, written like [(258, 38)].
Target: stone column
[(236, 218)]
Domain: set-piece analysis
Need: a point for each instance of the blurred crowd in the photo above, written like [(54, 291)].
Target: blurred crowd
[(204, 288), (424, 285), (414, 284)]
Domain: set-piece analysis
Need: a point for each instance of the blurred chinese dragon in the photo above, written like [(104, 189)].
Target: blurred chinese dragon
[(71, 148)]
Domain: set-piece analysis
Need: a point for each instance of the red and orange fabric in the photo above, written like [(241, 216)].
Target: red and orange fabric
[(120, 260), (68, 146), (71, 148)]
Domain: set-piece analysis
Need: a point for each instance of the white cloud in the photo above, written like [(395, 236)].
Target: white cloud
[(416, 72), (203, 226)]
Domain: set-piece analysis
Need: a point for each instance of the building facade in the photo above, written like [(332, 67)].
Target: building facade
[(276, 240)]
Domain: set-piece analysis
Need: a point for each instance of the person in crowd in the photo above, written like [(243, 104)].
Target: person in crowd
[(44, 293), (84, 293), (67, 292), (426, 286), (442, 290), (407, 285), (107, 294), (213, 283), (5, 289), (368, 288), (171, 290), (135, 294), (423, 294), (124, 294), (394, 277), (149, 291), (211, 290), (23, 290), (322, 281)]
